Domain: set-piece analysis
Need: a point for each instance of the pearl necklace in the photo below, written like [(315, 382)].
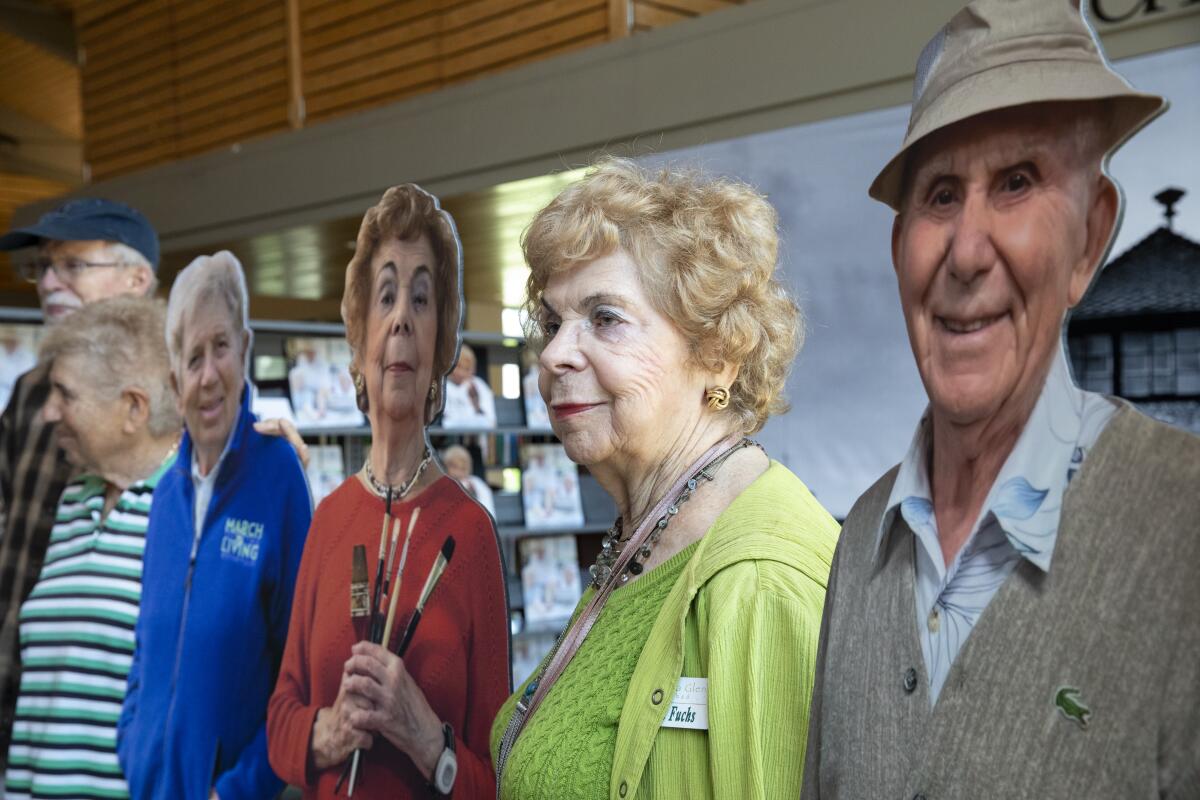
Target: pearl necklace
[(407, 486)]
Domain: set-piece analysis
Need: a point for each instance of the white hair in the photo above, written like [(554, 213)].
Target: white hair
[(122, 334), (120, 253), (208, 279), (125, 254), (458, 451)]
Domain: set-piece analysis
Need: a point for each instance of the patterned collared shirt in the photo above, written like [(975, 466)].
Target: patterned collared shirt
[(33, 473), (1019, 517)]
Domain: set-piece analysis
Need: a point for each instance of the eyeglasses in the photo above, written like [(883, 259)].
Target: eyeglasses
[(67, 270)]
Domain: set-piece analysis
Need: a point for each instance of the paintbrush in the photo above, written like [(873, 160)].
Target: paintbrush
[(360, 588), (435, 574), (395, 593), (376, 632), (379, 570)]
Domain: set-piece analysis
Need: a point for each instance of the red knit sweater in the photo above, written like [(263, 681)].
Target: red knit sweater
[(459, 655)]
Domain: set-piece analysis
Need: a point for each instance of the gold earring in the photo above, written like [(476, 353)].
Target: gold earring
[(433, 392), (718, 398), (360, 383)]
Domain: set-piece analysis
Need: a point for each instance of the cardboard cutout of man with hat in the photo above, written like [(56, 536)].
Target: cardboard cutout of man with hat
[(86, 250), (1014, 609)]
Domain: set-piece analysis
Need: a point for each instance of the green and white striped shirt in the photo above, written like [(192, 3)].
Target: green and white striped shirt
[(77, 637)]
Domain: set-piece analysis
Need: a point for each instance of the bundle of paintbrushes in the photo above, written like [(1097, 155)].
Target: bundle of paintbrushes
[(431, 581), (385, 591), (381, 628)]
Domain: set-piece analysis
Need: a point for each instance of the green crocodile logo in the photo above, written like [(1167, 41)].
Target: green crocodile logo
[(1070, 706)]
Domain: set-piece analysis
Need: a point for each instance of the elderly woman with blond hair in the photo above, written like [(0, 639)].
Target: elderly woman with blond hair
[(421, 720), (226, 533), (666, 339), (119, 429)]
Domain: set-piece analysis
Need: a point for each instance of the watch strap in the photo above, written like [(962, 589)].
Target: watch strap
[(448, 738)]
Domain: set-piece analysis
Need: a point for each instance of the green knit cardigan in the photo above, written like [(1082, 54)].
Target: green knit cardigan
[(745, 613)]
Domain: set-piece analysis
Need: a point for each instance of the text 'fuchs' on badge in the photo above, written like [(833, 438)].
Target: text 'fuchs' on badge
[(689, 707)]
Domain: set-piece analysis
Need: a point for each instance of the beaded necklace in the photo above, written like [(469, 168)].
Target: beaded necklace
[(407, 486), (614, 541)]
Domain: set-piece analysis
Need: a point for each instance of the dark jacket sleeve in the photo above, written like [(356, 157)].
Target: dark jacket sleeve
[(811, 788)]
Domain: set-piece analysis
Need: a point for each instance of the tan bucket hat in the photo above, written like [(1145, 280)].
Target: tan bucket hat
[(1001, 53)]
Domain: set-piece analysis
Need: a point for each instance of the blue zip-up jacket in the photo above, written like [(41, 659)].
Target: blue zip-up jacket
[(210, 636)]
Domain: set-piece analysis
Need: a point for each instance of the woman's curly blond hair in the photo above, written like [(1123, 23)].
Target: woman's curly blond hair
[(706, 249)]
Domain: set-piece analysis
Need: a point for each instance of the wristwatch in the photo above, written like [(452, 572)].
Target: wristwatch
[(446, 770)]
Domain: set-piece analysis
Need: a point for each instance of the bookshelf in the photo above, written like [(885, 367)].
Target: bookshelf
[(497, 452)]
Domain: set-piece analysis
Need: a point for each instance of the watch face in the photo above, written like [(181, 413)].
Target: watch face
[(446, 772)]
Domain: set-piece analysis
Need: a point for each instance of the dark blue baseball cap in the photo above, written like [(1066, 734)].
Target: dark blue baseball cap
[(88, 219)]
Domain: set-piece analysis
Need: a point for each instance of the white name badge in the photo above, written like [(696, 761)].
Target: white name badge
[(689, 706)]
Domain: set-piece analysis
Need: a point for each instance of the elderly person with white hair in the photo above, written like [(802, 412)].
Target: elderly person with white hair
[(461, 467), (1013, 610), (86, 250), (226, 535), (118, 426), (469, 400)]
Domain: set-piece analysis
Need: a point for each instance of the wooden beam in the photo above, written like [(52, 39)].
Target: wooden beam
[(618, 19), (295, 69)]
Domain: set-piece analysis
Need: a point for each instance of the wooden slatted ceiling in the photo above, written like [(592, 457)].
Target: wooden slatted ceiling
[(165, 79), (39, 85), (366, 52), (43, 88)]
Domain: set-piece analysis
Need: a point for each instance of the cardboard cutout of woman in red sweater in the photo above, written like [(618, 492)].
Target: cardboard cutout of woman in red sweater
[(422, 721)]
